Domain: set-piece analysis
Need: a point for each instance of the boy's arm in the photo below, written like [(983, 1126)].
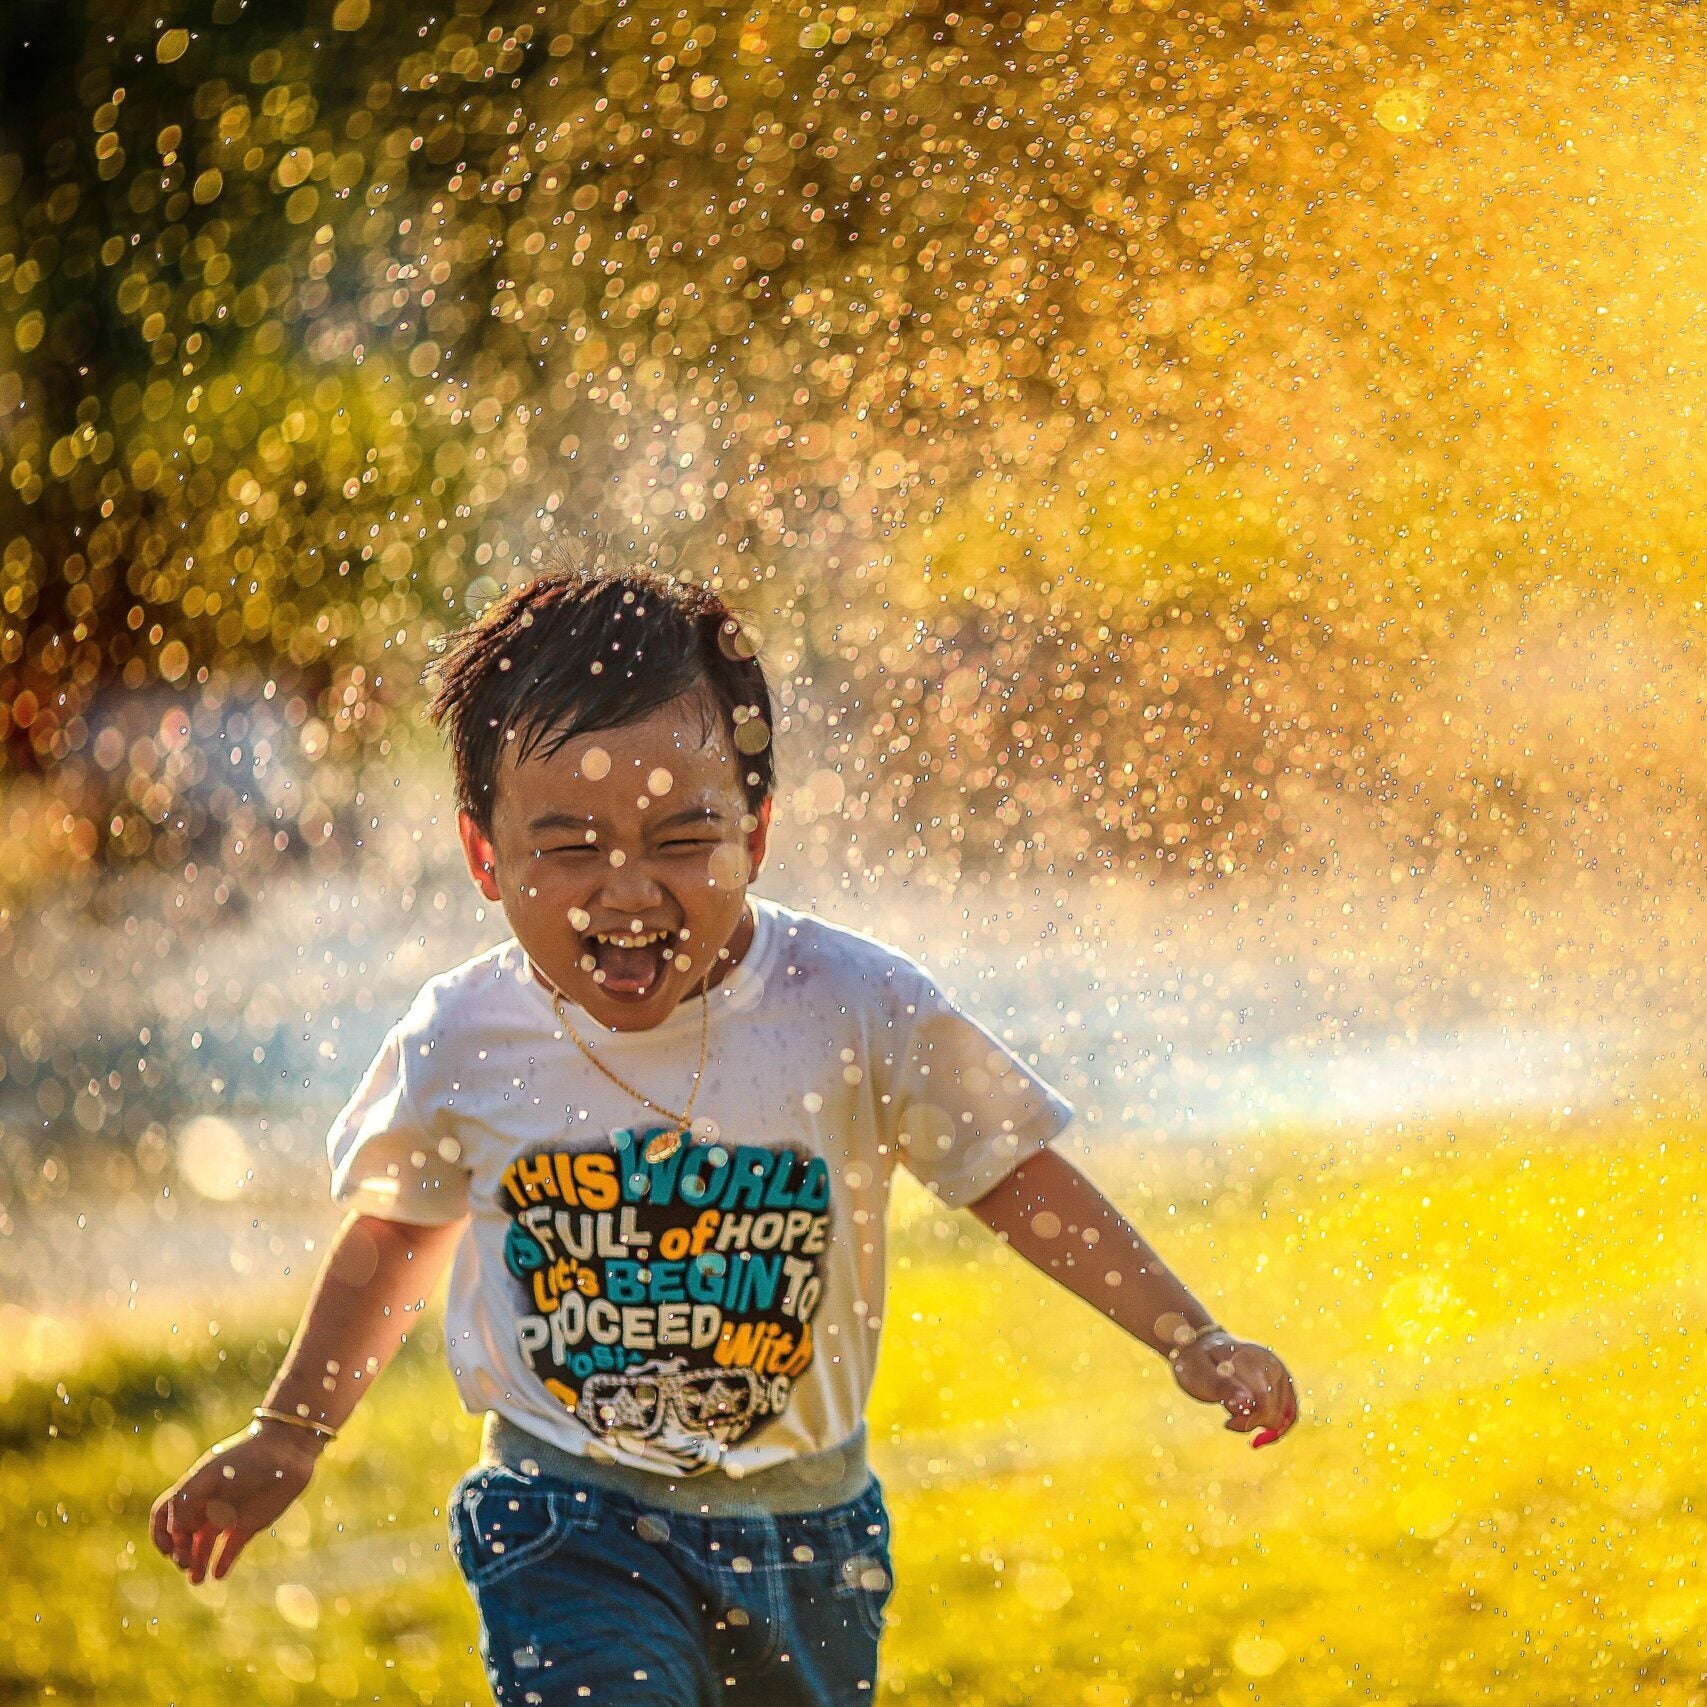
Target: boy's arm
[(1060, 1223), (375, 1278)]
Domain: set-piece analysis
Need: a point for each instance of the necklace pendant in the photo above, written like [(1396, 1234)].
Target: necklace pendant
[(663, 1145)]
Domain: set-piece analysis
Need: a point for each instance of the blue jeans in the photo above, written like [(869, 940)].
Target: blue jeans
[(590, 1598)]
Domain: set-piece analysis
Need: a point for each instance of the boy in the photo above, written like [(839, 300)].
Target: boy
[(656, 1128)]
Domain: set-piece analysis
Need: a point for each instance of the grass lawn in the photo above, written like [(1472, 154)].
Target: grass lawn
[(1495, 1492)]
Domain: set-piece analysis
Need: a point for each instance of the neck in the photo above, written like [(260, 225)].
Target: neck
[(740, 940)]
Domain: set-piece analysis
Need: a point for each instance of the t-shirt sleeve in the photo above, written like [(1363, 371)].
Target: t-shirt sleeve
[(389, 1158), (964, 1110)]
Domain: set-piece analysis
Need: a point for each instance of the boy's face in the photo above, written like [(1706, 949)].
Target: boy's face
[(622, 860)]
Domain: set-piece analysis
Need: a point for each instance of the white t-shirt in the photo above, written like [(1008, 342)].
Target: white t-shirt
[(720, 1308)]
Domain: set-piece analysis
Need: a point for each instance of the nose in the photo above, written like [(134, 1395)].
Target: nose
[(629, 888)]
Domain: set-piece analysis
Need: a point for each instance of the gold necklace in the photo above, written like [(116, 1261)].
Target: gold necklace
[(662, 1145)]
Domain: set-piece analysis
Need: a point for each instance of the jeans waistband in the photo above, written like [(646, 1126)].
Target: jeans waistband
[(812, 1482)]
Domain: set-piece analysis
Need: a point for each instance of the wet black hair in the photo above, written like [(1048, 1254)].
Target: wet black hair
[(583, 648)]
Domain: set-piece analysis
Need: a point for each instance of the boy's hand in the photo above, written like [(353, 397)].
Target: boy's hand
[(1248, 1379), (238, 1488)]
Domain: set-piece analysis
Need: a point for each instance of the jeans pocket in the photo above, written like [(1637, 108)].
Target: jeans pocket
[(865, 1569), (502, 1521)]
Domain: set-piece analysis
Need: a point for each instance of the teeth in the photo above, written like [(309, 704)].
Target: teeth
[(630, 941)]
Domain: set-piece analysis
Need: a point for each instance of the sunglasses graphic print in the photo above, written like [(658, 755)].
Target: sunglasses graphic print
[(667, 1305)]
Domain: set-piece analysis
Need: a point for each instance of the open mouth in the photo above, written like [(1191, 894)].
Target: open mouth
[(628, 965)]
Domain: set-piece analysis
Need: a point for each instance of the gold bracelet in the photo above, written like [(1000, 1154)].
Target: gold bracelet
[(1186, 1336), (263, 1414)]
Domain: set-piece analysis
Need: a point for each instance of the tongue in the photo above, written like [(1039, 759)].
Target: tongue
[(629, 971)]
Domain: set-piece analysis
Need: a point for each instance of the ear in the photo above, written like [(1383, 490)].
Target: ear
[(482, 862), (758, 838)]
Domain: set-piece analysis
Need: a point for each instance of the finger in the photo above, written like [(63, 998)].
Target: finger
[(1288, 1416), (183, 1512), (232, 1542), (1243, 1409), (1272, 1409), (160, 1524), (1261, 1407), (1288, 1394), (1269, 1382), (185, 1525), (201, 1548), (1237, 1392)]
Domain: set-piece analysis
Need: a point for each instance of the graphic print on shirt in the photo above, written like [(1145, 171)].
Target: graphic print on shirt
[(668, 1304)]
